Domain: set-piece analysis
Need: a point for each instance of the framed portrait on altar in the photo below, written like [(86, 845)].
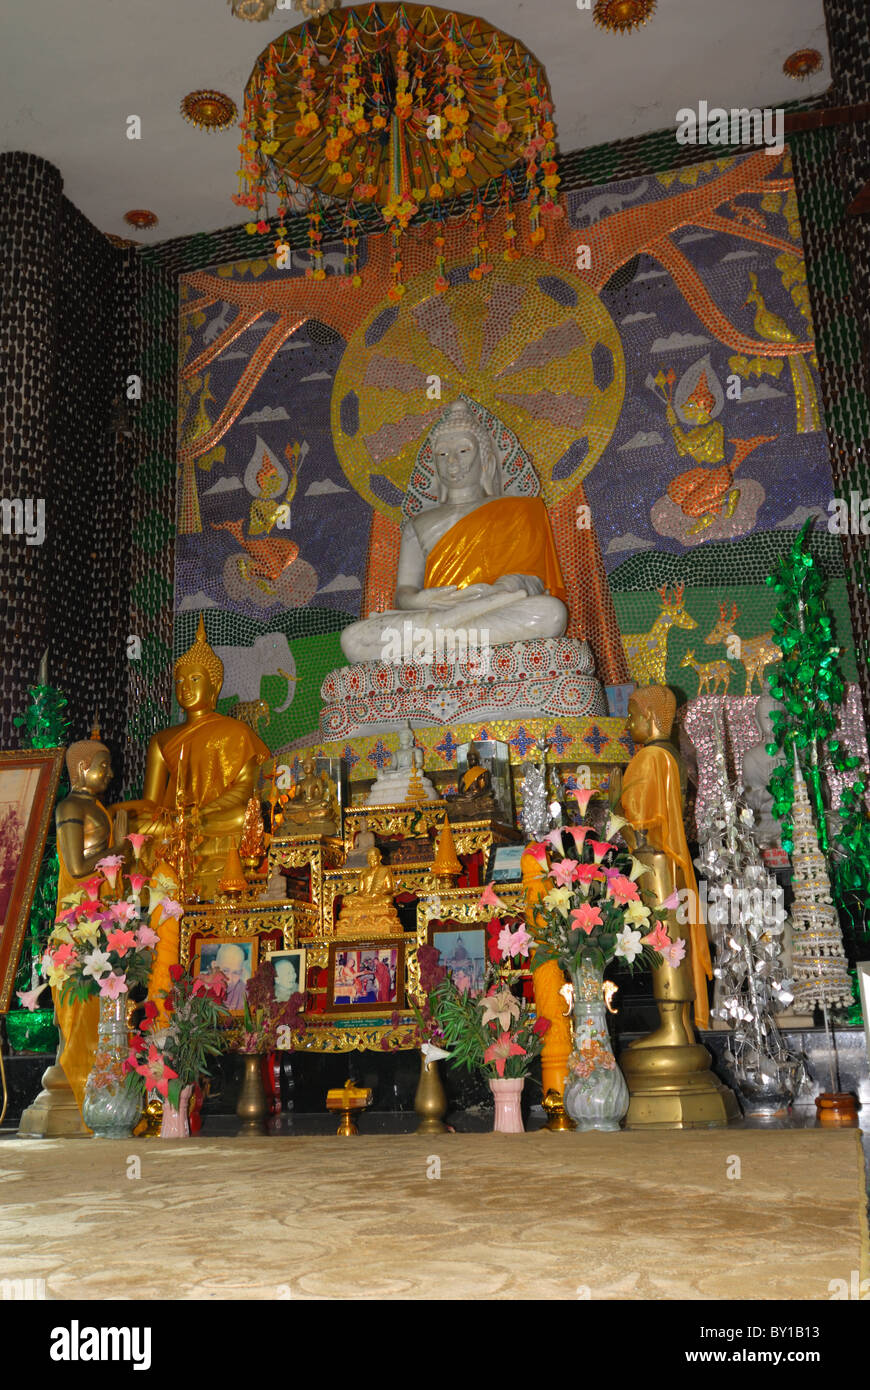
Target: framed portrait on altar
[(289, 974), (366, 977), (235, 957), (28, 786), (505, 864), (462, 952)]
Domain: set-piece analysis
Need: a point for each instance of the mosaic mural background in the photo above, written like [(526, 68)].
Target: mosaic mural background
[(671, 389)]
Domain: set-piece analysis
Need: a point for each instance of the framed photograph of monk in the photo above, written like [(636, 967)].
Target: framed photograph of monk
[(366, 977), (235, 957), (28, 786)]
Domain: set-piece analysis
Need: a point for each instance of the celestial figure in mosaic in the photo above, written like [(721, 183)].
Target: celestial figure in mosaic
[(209, 762), (474, 560), (772, 328), (701, 496)]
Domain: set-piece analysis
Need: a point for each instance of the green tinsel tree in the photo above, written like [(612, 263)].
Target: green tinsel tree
[(45, 725), (810, 685)]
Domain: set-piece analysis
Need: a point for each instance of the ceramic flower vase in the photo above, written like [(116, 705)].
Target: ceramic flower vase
[(175, 1123), (430, 1100), (110, 1108), (596, 1096), (507, 1093)]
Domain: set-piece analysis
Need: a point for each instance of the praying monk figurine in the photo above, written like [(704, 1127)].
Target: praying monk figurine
[(209, 762), (370, 910), (667, 1071), (85, 834), (475, 559)]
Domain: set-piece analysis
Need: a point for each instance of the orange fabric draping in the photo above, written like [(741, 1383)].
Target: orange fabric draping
[(548, 979), (509, 535)]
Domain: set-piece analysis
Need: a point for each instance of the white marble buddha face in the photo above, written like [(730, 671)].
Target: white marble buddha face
[(457, 458)]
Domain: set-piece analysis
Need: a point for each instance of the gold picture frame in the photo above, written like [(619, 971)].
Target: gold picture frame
[(364, 959), (29, 779)]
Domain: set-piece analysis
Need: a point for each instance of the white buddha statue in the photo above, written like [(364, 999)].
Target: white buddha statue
[(402, 780), (475, 560)]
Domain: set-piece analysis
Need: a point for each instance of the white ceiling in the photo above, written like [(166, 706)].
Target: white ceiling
[(72, 71)]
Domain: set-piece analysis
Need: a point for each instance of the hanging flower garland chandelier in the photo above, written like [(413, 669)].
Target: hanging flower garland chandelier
[(395, 105)]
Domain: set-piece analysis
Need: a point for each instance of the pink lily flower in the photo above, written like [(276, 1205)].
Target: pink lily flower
[(586, 918), (110, 864), (137, 882), (579, 832), (122, 912), (658, 939), (600, 848), (622, 890), (583, 796), (538, 851), (92, 888), (147, 936), (489, 898), (121, 941), (170, 908), (674, 952), (502, 1049), (29, 997), (113, 985), (62, 955), (673, 901), (137, 841), (554, 838), (157, 1074), (514, 943), (562, 872)]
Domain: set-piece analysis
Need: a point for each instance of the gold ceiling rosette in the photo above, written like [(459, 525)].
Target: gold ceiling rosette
[(395, 105)]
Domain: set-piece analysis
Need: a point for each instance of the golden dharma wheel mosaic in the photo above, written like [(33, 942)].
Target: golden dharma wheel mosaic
[(532, 346)]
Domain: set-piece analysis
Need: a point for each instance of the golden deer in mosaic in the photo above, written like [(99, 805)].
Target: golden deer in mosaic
[(756, 653), (647, 652), (710, 673)]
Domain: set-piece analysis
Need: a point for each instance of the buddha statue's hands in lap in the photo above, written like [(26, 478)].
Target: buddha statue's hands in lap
[(209, 764), (475, 559)]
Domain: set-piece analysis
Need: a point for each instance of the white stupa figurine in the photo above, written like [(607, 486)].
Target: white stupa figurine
[(818, 960), (402, 780)]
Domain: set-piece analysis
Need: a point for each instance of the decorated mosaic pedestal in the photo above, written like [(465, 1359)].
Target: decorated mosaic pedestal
[(545, 677)]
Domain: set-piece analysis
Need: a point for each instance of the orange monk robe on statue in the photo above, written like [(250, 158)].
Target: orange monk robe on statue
[(77, 1019), (651, 802), (548, 980), (509, 535)]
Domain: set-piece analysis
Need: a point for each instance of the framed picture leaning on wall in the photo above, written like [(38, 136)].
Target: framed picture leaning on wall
[(28, 786)]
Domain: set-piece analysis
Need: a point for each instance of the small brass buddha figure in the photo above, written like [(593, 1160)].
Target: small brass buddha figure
[(474, 800), (369, 911), (209, 762), (311, 809)]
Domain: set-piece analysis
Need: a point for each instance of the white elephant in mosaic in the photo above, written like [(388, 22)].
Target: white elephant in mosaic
[(245, 667)]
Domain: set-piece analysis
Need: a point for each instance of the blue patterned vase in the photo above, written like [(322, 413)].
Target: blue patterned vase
[(596, 1096)]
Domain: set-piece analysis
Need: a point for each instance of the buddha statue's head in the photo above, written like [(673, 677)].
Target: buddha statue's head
[(651, 711), (199, 675), (89, 764), (464, 453)]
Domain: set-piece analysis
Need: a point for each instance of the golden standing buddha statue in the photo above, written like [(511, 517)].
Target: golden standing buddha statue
[(668, 1072), (209, 762), (86, 833), (370, 910)]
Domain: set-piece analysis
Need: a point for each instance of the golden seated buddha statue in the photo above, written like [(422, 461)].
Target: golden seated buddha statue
[(312, 808), (369, 911)]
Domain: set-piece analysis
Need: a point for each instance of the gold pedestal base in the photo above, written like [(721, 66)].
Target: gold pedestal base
[(558, 1122), (672, 1087), (54, 1114)]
